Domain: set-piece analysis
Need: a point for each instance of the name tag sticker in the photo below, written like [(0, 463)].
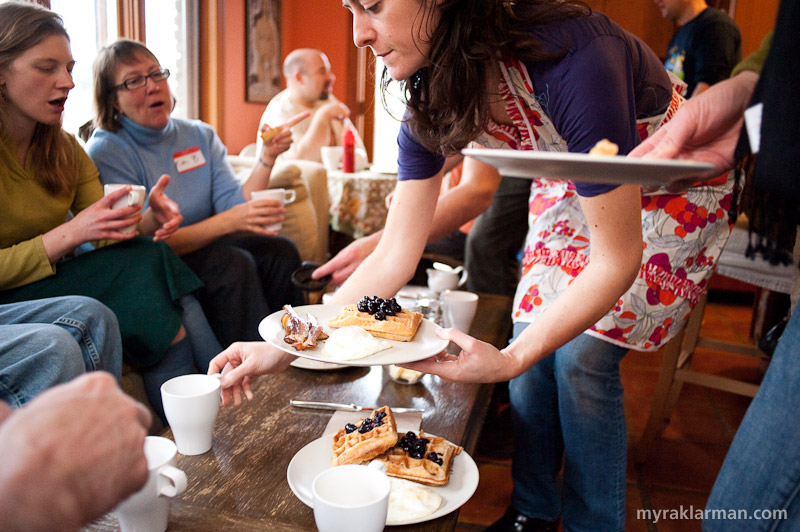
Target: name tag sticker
[(752, 121), (188, 159)]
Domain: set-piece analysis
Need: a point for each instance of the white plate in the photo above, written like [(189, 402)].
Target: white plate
[(307, 363), (316, 457), (424, 344), (612, 170)]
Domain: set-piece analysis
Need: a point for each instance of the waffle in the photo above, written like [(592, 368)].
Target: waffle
[(356, 447), (400, 464), (401, 327)]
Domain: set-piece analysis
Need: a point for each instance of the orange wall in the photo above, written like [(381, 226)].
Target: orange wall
[(322, 24)]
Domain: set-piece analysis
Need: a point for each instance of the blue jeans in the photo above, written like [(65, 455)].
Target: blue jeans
[(568, 410), (50, 341), (762, 468)]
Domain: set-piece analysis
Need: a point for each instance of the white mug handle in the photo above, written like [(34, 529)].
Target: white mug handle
[(171, 481), (463, 278), (379, 465), (290, 196)]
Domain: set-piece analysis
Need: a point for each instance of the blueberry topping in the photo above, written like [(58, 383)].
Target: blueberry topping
[(349, 428), (435, 458), (378, 307), (380, 415)]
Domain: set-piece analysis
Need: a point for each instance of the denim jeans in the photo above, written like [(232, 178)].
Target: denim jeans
[(762, 468), (46, 342), (568, 410)]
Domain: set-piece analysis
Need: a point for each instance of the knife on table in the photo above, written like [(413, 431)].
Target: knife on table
[(318, 405)]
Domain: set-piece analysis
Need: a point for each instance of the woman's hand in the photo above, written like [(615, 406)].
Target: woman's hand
[(477, 361), (248, 360), (163, 216), (253, 216)]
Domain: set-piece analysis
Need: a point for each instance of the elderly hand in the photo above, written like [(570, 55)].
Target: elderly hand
[(71, 455), (163, 216), (248, 360)]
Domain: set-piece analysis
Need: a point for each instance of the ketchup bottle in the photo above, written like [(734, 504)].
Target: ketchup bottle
[(348, 151)]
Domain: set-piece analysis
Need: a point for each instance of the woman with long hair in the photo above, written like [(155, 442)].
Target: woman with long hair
[(45, 176)]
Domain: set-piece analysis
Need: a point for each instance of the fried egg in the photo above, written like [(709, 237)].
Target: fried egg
[(351, 342), (409, 501)]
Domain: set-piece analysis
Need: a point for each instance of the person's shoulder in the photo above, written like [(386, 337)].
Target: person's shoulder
[(102, 139), (576, 32), (712, 16)]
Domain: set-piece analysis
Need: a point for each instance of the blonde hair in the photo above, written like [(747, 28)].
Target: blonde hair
[(23, 26)]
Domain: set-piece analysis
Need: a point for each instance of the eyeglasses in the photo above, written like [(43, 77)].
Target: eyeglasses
[(140, 81)]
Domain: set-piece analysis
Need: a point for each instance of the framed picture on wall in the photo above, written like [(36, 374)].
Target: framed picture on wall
[(263, 32)]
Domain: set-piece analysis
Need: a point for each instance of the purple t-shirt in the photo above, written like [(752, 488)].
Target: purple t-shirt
[(607, 80)]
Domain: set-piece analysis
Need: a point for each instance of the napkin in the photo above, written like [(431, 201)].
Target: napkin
[(405, 421)]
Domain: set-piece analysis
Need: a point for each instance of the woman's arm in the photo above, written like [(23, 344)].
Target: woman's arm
[(614, 219)]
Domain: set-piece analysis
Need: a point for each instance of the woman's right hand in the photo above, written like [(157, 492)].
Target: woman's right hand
[(248, 360), (253, 216)]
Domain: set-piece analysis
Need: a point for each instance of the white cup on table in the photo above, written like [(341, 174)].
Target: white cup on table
[(351, 497), (331, 157), (277, 194), (147, 510), (458, 309), (134, 197), (441, 280), (191, 404)]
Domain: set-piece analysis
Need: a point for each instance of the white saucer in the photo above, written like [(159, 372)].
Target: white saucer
[(316, 457), (308, 363)]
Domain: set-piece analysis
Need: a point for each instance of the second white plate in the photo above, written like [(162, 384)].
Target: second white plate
[(612, 170), (316, 457), (424, 344)]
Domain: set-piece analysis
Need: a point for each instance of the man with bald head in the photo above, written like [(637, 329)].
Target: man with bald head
[(309, 82), (706, 46)]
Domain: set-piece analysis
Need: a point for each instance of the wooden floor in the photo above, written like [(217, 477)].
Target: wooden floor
[(685, 461)]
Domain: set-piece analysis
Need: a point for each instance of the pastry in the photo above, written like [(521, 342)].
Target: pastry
[(424, 459), (268, 133), (361, 442), (385, 321), (604, 147), (300, 333)]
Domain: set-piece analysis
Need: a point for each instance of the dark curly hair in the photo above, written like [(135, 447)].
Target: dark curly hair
[(448, 100)]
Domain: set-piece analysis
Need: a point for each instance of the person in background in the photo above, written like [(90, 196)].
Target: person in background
[(309, 88), (45, 176), (51, 341), (245, 268), (606, 268), (761, 472), (72, 454), (706, 46)]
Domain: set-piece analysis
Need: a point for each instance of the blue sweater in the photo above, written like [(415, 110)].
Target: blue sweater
[(139, 156)]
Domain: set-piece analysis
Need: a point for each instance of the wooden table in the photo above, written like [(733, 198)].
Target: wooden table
[(240, 485)]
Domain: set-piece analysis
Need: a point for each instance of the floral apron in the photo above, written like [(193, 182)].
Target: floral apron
[(683, 233)]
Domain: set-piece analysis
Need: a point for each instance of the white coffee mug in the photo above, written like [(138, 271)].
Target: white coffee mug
[(351, 498), (147, 510), (441, 280), (134, 197), (458, 309), (331, 157), (277, 194), (191, 404)]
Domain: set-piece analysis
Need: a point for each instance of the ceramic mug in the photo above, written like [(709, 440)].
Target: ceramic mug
[(191, 404), (276, 194), (134, 197), (441, 280), (147, 510), (351, 498), (331, 157), (458, 309)]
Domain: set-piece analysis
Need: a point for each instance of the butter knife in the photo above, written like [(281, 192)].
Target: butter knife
[(318, 405)]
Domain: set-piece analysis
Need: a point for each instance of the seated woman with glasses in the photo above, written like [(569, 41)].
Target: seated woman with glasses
[(245, 267), (45, 176)]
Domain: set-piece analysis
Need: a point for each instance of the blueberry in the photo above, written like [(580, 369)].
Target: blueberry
[(415, 454), (380, 415), (363, 307), (411, 436), (380, 315), (349, 428), (364, 428), (435, 458)]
